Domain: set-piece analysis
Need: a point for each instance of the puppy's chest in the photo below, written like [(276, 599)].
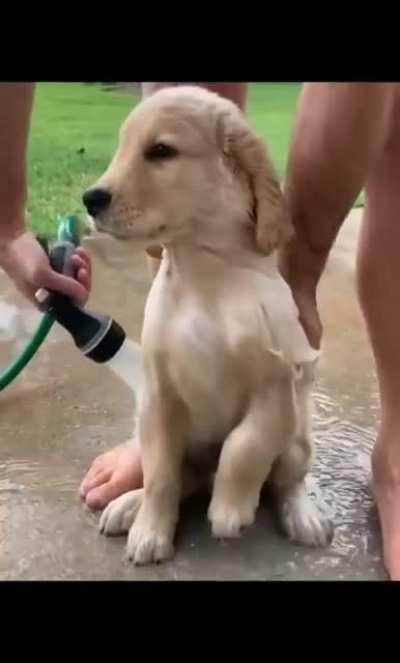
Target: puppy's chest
[(203, 372), (209, 350), (197, 348)]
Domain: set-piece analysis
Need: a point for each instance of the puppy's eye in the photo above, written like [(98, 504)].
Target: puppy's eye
[(160, 151)]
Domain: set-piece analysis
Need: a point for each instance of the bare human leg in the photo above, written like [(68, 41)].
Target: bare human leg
[(347, 136), (378, 286)]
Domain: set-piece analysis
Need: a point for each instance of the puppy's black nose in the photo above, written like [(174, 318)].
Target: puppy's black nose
[(96, 200)]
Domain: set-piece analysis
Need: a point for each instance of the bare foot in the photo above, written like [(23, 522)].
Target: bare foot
[(386, 488), (112, 474)]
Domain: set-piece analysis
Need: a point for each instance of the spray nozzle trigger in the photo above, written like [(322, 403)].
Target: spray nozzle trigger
[(98, 336)]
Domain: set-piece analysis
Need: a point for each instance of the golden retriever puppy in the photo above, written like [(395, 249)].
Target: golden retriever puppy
[(227, 367)]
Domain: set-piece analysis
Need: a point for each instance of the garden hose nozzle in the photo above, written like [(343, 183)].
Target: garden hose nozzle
[(98, 336)]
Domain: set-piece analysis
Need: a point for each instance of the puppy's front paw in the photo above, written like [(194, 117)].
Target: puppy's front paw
[(148, 545), (302, 520), (119, 515), (227, 520)]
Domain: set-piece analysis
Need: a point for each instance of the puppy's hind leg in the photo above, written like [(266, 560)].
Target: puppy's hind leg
[(119, 516), (300, 517)]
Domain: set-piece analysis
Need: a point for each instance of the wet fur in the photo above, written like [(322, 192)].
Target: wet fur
[(227, 366)]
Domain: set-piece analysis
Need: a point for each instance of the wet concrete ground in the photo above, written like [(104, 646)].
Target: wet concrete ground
[(64, 410)]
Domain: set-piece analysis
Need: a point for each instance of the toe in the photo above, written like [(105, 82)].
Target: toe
[(94, 479), (101, 496)]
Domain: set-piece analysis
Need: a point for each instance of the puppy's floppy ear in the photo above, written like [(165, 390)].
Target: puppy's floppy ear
[(247, 152)]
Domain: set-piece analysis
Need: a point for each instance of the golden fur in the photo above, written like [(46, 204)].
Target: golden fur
[(227, 367)]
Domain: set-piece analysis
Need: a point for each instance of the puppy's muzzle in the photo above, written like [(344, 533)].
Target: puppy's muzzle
[(96, 201)]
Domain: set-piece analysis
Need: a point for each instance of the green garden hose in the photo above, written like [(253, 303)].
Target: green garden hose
[(67, 232)]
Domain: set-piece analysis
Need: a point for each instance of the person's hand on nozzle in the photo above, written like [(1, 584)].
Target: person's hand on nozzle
[(27, 264)]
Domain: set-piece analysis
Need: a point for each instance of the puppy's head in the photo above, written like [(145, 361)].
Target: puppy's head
[(187, 157)]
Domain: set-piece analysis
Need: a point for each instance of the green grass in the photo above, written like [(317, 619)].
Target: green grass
[(67, 118), (71, 117), (271, 110)]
